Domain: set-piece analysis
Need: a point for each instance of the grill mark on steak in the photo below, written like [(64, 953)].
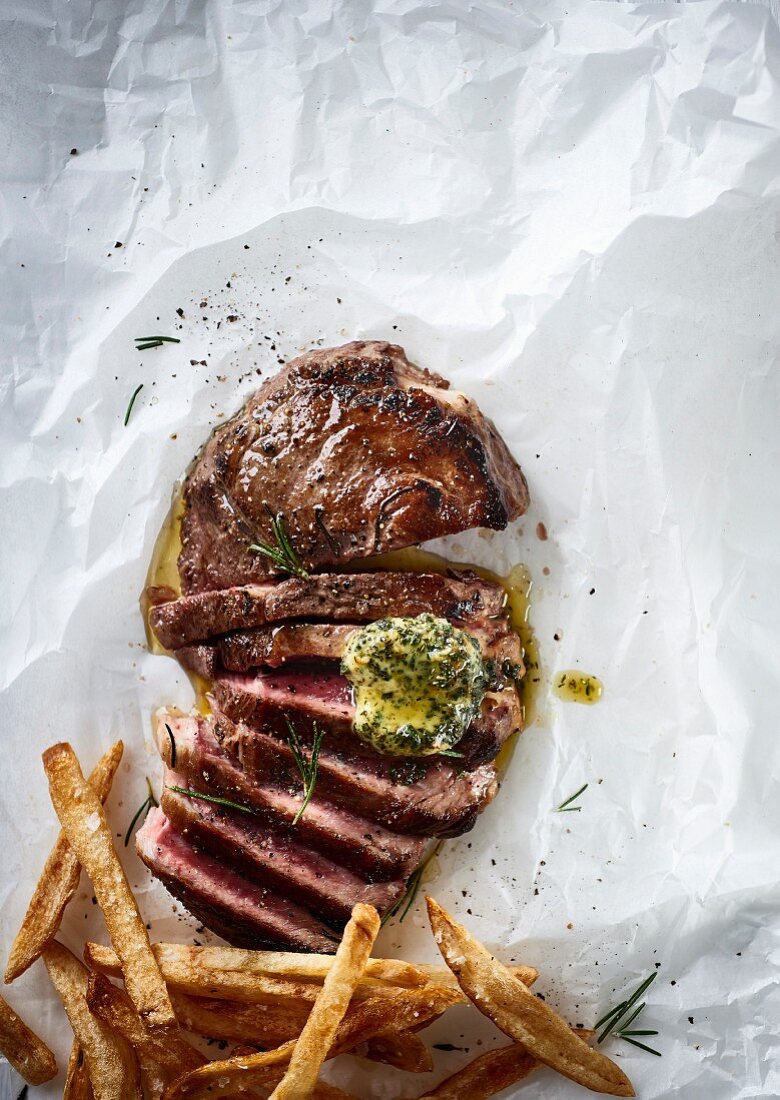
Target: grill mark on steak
[(241, 912), (434, 457), (423, 798), (355, 597), (273, 858), (375, 852)]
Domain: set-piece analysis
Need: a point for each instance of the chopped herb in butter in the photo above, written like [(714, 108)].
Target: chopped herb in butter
[(418, 684)]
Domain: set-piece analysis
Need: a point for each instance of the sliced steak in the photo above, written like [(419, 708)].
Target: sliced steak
[(272, 858), (309, 695), (408, 796), (343, 597), (192, 748), (300, 446), (243, 913), (280, 644)]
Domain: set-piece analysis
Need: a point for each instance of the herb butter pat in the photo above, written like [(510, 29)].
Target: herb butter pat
[(418, 684)]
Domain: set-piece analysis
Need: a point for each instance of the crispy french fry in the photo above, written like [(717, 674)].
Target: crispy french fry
[(84, 822), (263, 1024), (77, 1083), (328, 1011), (489, 1073), (293, 964), (363, 1021), (518, 1013), (28, 1054), (58, 882), (234, 974), (113, 1068), (164, 1055), (442, 975), (402, 1049)]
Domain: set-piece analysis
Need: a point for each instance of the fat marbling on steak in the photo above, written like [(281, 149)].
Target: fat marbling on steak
[(360, 451)]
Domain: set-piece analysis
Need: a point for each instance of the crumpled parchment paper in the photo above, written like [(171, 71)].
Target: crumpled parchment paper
[(571, 210)]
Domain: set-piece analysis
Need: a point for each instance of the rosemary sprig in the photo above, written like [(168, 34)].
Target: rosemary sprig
[(173, 746), (136, 391), (284, 555), (413, 884), (144, 809), (307, 768), (566, 807), (609, 1023), (212, 798), (142, 343)]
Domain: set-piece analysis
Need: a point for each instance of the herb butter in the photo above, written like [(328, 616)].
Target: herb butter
[(418, 684)]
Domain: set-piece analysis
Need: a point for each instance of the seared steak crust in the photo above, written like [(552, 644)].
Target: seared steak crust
[(340, 597), (299, 447)]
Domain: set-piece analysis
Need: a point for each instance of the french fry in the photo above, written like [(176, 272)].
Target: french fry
[(518, 1013), (84, 823), (442, 975), (263, 1024), (58, 882), (319, 1032), (164, 1055), (489, 1073), (113, 1068), (77, 1083), (28, 1054), (401, 1049), (486, 1075), (365, 1020), (231, 973)]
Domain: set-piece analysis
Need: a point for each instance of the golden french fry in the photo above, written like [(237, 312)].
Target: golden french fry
[(164, 1055), (442, 975), (489, 1073), (363, 1021), (518, 1013), (266, 1025), (319, 1031), (77, 1083), (58, 882), (183, 970), (113, 1068), (402, 1049), (84, 822), (28, 1054), (232, 973)]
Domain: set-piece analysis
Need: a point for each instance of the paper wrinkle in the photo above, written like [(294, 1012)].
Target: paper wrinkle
[(572, 213)]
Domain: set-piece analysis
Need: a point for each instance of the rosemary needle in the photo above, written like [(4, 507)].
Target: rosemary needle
[(144, 809), (307, 768), (284, 555), (212, 798), (136, 391), (566, 807), (610, 1021), (173, 745)]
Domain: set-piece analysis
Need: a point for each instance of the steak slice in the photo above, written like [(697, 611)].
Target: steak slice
[(420, 797), (437, 466), (194, 749), (243, 913), (277, 645), (272, 858), (309, 695), (350, 597)]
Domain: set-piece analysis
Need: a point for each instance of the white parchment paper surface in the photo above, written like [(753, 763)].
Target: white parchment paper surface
[(571, 210)]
